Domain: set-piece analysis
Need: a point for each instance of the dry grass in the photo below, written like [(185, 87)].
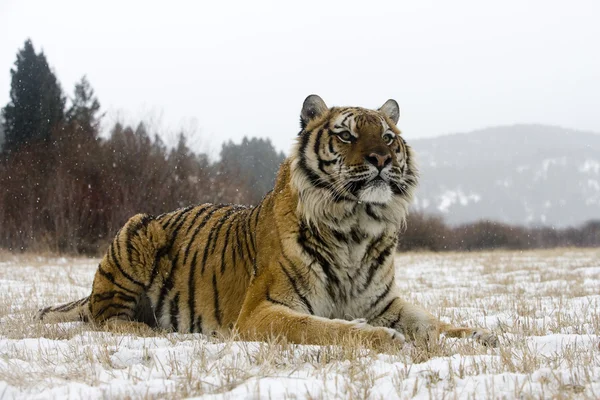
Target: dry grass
[(545, 305)]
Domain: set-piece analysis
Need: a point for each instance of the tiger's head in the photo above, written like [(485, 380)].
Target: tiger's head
[(349, 156)]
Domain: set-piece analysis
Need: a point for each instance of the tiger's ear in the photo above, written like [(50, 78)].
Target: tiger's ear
[(391, 109), (313, 107)]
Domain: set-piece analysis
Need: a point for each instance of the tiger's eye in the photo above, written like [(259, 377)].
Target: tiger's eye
[(345, 136), (389, 138)]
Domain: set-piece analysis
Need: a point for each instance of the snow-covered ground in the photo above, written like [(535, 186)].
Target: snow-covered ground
[(545, 305)]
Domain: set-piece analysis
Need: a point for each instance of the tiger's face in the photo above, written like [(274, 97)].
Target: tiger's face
[(353, 154)]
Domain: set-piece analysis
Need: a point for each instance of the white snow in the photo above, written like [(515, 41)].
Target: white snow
[(590, 167), (542, 173), (544, 305), (451, 197)]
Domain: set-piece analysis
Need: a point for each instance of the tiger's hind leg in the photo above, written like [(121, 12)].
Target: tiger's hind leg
[(127, 271)]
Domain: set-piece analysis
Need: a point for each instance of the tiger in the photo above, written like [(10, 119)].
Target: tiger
[(312, 263)]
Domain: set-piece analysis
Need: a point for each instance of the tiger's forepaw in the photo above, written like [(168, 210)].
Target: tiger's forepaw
[(395, 336), (485, 337), (380, 334)]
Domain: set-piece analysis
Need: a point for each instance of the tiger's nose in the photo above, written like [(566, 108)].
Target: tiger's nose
[(380, 161)]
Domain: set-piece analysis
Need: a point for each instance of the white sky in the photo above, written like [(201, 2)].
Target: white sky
[(234, 68)]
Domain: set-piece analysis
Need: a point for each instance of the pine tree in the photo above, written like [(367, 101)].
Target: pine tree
[(255, 161), (1, 135), (84, 109), (36, 104)]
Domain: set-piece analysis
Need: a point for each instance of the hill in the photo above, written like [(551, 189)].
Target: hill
[(520, 174)]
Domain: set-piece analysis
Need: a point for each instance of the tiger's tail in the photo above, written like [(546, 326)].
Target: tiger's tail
[(78, 310)]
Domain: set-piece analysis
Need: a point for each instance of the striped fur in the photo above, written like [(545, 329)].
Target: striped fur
[(312, 263)]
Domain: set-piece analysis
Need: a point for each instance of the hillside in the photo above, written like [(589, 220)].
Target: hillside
[(520, 174)]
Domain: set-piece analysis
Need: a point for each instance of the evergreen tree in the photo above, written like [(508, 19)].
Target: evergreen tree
[(84, 109), (1, 135), (255, 161), (36, 104)]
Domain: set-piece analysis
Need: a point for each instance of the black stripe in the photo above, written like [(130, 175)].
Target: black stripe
[(112, 294), (225, 245), (133, 229), (167, 286), (42, 312), (159, 254), (393, 323), (198, 326), (213, 237), (180, 215), (317, 148), (332, 279), (249, 235), (272, 300), (343, 123), (120, 314), (200, 211), (197, 230), (125, 274), (385, 309), (238, 245), (370, 247), (245, 235), (327, 162), (216, 292), (115, 306), (317, 145), (192, 289), (376, 264), (217, 229), (296, 289), (168, 219), (371, 213), (340, 236), (258, 209), (239, 248), (174, 312), (67, 307), (235, 238), (111, 278), (382, 296), (314, 179), (356, 235), (175, 233)]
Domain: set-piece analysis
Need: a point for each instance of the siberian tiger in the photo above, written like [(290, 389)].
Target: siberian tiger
[(312, 263)]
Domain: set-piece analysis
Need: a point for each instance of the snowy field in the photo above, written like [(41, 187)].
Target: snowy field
[(545, 306)]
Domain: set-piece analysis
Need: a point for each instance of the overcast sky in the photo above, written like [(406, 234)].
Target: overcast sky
[(232, 68)]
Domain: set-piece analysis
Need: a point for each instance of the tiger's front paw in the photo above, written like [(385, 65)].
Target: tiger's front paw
[(378, 335), (395, 336)]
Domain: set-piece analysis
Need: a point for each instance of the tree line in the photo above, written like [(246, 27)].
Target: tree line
[(65, 188), (430, 232)]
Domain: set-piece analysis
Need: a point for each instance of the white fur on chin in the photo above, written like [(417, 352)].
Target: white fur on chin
[(377, 193)]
